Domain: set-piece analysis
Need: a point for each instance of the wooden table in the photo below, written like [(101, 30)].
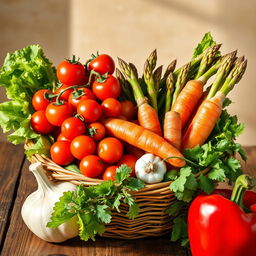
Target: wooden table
[(16, 183)]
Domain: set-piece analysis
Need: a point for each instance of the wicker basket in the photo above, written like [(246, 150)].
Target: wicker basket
[(153, 201)]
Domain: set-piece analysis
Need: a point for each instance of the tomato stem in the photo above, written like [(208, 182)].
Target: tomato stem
[(74, 60)]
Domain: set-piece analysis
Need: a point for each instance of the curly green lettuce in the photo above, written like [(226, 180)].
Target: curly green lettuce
[(23, 73)]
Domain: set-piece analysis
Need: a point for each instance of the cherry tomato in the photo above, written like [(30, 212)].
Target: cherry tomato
[(110, 150), (97, 131), (102, 64), (40, 123), (108, 89), (91, 166), (90, 110), (130, 161), (39, 101), (86, 94), (71, 72), (82, 146), (72, 127), (110, 173), (128, 109), (65, 94), (111, 107), (62, 137), (60, 153), (56, 114)]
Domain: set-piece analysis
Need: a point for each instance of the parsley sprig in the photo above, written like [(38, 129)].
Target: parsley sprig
[(92, 205)]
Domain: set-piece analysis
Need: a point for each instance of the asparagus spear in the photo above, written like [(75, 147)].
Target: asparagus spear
[(181, 81), (169, 91), (225, 65), (207, 59), (234, 76), (149, 66), (125, 86)]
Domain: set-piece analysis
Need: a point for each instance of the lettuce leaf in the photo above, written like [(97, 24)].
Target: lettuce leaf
[(23, 73), (205, 43)]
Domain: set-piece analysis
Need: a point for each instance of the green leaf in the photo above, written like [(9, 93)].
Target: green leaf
[(175, 208), (11, 115), (179, 229), (134, 184), (106, 188), (206, 184), (122, 173), (133, 211), (186, 195), (62, 212), (103, 213), (226, 103), (205, 43), (41, 147), (72, 168), (24, 72), (117, 202), (179, 184), (233, 164), (217, 171)]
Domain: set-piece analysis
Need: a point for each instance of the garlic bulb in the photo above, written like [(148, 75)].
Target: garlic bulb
[(150, 168), (38, 207)]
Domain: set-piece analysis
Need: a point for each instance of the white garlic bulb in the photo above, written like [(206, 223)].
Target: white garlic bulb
[(38, 207)]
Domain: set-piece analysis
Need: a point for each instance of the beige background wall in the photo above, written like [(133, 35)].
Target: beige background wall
[(132, 28)]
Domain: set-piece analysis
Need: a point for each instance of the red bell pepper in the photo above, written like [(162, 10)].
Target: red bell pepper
[(218, 226)]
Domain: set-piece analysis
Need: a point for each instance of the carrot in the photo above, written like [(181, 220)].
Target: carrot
[(144, 139), (210, 110), (203, 122), (148, 118), (147, 115), (172, 128), (188, 99), (193, 90)]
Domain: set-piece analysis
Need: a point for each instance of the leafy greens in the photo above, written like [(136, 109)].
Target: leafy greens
[(92, 205), (23, 73)]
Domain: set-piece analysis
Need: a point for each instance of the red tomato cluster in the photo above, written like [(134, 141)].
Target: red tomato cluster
[(73, 113)]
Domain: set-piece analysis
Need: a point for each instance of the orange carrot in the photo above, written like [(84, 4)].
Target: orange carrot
[(147, 115), (143, 139), (193, 90), (172, 128), (210, 109), (148, 118), (188, 99), (203, 122)]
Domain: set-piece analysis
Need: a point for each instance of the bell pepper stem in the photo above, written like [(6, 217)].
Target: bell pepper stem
[(243, 183)]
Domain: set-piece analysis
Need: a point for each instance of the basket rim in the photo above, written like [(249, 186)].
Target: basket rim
[(59, 173)]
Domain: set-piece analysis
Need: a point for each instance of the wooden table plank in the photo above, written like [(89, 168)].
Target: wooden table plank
[(28, 244), (11, 159)]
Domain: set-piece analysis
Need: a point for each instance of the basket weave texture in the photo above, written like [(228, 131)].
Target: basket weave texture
[(153, 201)]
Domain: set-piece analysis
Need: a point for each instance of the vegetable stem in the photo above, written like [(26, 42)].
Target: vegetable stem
[(132, 79), (234, 76), (243, 182), (207, 59), (181, 81), (149, 78), (169, 91), (222, 72)]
